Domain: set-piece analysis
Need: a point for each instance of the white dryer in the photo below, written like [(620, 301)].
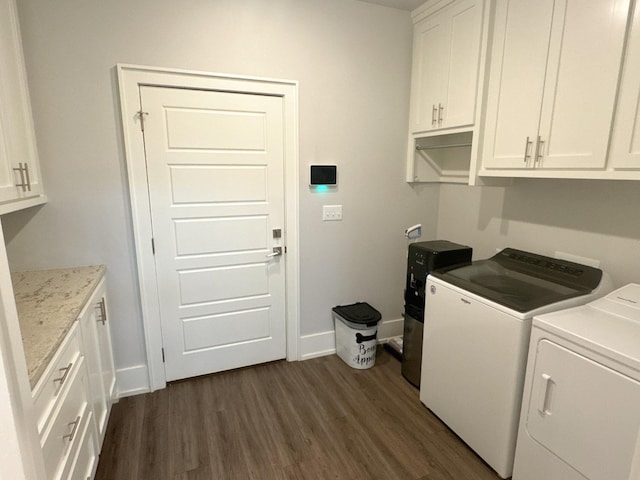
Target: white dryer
[(580, 415)]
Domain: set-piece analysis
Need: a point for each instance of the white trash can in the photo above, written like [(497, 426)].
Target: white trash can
[(356, 334)]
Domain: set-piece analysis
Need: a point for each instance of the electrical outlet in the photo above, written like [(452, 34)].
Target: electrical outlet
[(331, 213)]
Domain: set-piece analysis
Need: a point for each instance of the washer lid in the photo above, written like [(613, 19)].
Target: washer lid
[(524, 281)]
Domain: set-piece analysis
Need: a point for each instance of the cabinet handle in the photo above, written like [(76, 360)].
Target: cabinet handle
[(539, 155), (539, 148), (527, 155), (74, 428), (66, 371), (434, 110), (103, 312), (440, 110), (26, 174), (23, 184)]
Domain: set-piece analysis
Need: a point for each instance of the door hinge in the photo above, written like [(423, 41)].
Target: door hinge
[(162, 354), (141, 115), (153, 246), (285, 249)]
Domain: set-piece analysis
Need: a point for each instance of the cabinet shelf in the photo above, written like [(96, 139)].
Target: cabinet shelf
[(441, 158)]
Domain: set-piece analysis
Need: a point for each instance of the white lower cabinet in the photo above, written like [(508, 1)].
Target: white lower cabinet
[(73, 398), (96, 338), (60, 437)]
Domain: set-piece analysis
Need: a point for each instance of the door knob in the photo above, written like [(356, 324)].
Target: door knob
[(277, 251)]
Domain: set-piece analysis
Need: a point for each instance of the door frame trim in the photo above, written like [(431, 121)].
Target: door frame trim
[(130, 79)]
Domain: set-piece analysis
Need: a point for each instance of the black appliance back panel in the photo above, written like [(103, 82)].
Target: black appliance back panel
[(423, 258)]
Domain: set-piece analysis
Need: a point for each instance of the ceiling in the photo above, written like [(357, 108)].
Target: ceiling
[(400, 4)]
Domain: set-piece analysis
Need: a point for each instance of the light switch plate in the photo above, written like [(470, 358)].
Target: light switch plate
[(331, 213)]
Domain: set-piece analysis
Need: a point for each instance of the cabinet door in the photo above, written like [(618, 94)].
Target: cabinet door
[(17, 139), (516, 84), (429, 62), (97, 348), (460, 72), (105, 346), (85, 462), (625, 146), (91, 348), (583, 412), (582, 79)]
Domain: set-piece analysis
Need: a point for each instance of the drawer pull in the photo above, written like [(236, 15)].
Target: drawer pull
[(66, 371), (74, 426)]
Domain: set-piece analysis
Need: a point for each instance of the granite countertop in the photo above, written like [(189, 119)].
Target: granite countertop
[(48, 303)]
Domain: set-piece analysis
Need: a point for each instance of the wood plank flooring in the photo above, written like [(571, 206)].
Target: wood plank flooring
[(317, 419)]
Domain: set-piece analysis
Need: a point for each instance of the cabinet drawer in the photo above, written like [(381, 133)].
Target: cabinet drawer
[(56, 377), (68, 421)]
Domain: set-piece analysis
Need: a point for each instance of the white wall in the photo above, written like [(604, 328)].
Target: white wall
[(352, 60), (588, 218)]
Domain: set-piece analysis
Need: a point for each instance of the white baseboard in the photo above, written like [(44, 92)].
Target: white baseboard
[(317, 345), (389, 329), (135, 380), (324, 343), (132, 381)]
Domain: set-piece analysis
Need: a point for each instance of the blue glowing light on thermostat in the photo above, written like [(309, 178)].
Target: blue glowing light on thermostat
[(321, 188)]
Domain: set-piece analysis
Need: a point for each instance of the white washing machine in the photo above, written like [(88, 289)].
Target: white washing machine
[(581, 408), (476, 333)]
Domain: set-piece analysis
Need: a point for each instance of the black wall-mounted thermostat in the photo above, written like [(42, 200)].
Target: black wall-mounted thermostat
[(320, 175)]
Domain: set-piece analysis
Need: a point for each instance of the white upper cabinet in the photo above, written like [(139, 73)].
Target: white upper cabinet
[(625, 144), (446, 48), (552, 86), (20, 184)]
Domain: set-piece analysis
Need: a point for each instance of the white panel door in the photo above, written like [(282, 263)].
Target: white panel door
[(584, 412), (215, 176), (518, 64), (582, 78)]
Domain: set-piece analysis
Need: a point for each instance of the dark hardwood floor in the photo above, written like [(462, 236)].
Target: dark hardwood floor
[(317, 419)]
